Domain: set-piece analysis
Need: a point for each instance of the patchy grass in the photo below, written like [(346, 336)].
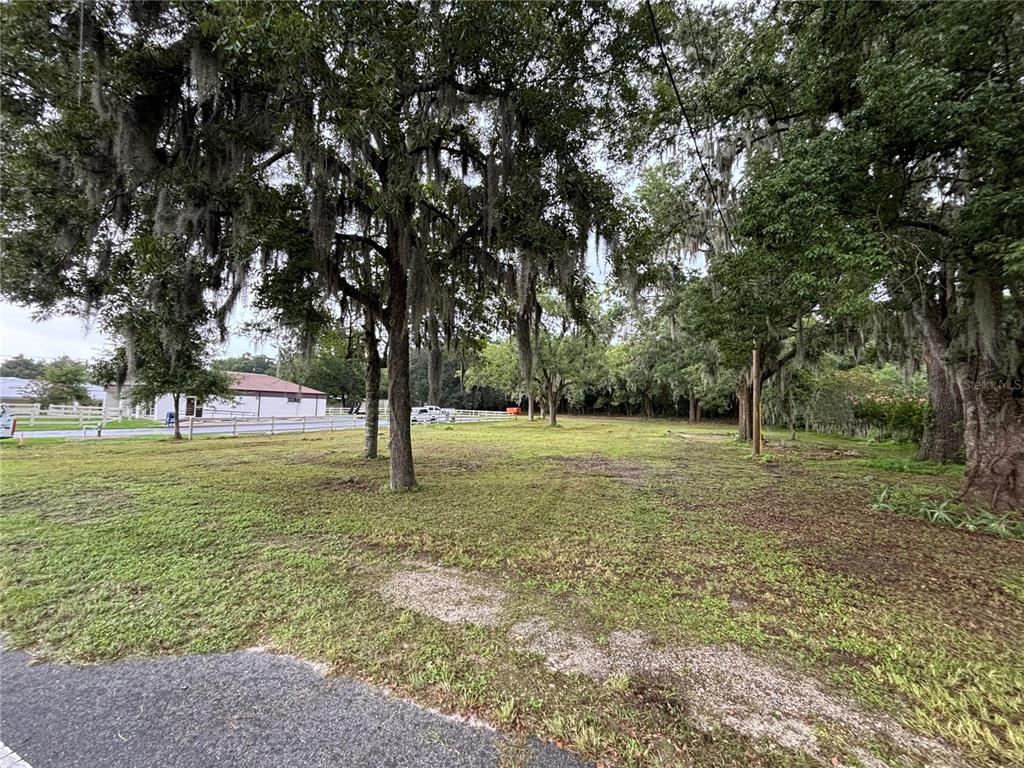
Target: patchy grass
[(90, 422), (603, 526)]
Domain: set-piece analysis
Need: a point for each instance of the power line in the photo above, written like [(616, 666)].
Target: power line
[(686, 118)]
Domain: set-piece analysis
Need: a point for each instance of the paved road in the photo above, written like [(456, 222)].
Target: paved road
[(221, 428), (247, 709)]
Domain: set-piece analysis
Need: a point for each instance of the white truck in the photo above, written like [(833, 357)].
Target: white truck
[(428, 414)]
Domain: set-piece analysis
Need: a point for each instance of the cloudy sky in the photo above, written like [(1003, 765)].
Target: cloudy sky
[(21, 335)]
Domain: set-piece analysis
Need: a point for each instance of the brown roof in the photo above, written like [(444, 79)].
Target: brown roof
[(262, 382)]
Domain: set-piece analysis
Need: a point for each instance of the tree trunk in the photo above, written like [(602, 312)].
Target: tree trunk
[(403, 474), (177, 418), (524, 333), (744, 396), (755, 402), (993, 436), (435, 361), (372, 390), (943, 438), (693, 408), (552, 410)]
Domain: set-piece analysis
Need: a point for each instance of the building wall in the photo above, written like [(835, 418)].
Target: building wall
[(111, 402), (249, 406)]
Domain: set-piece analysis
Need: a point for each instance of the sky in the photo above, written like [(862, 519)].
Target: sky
[(71, 336), (58, 336)]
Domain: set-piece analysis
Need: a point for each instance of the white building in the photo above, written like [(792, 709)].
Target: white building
[(18, 391), (256, 395)]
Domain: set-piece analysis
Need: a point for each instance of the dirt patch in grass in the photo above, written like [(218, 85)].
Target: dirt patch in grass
[(565, 651), (352, 483), (912, 561), (719, 686), (450, 466), (446, 594), (783, 448), (440, 459), (633, 474), (226, 461), (297, 543), (827, 521), (319, 457), (698, 437), (94, 505), (727, 687)]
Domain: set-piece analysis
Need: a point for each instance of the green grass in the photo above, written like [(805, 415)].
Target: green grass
[(46, 424), (153, 547), (131, 423)]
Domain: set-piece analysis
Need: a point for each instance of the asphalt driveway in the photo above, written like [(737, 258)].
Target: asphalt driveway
[(247, 708)]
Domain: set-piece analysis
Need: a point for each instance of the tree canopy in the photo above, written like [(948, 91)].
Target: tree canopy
[(822, 185)]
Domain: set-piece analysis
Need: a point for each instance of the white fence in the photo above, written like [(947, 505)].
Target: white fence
[(235, 425), (35, 409), (81, 415), (347, 410), (73, 410), (278, 424), (337, 410), (212, 412), (460, 415)]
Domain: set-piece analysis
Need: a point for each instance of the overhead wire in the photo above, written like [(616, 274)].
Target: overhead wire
[(686, 119)]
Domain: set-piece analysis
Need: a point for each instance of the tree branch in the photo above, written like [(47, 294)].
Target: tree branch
[(928, 226), (429, 86), (264, 164), (345, 237), (367, 299)]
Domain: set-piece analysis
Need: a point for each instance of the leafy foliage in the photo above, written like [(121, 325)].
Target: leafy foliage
[(247, 363), (22, 367), (862, 401), (62, 382), (334, 365)]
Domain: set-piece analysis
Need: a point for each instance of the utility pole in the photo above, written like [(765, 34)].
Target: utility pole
[(755, 414)]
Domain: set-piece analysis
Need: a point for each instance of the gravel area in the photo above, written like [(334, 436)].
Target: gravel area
[(724, 686), (727, 687), (446, 594)]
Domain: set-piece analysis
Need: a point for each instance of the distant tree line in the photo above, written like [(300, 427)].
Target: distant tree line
[(54, 382)]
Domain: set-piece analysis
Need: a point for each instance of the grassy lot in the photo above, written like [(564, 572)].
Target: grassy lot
[(42, 425), (150, 547)]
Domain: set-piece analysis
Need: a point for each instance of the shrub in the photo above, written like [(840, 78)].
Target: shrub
[(948, 512), (892, 417)]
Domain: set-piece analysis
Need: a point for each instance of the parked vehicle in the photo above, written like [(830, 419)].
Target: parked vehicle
[(428, 414), (8, 423)]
